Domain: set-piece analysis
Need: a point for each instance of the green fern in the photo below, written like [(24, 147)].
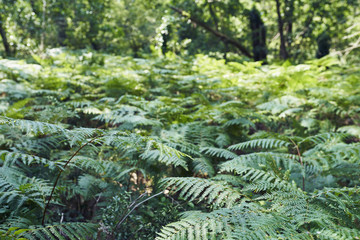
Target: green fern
[(262, 143), (196, 189), (10, 158), (34, 127), (245, 221), (165, 154), (322, 138), (73, 231), (218, 152)]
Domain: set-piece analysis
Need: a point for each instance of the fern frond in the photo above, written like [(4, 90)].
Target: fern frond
[(10, 158), (223, 140), (254, 159), (185, 147), (79, 136), (245, 221), (34, 127), (262, 143), (322, 138), (203, 166), (256, 175), (197, 189), (40, 146), (106, 169), (196, 226), (73, 231), (127, 114), (352, 130), (233, 180), (165, 154), (10, 197), (240, 122), (338, 233), (345, 200), (16, 189), (341, 152), (218, 152)]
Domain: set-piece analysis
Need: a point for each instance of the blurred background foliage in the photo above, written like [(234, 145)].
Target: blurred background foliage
[(240, 30)]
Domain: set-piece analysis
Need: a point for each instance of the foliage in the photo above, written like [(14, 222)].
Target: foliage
[(241, 150), (213, 27)]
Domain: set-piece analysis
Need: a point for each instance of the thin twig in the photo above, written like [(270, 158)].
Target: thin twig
[(132, 204), (123, 219), (301, 162), (58, 176)]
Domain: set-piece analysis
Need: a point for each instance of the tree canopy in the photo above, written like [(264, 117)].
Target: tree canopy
[(252, 30)]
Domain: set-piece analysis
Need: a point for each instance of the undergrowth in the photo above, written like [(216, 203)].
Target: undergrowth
[(177, 148)]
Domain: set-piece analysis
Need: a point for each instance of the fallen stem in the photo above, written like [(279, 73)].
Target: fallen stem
[(301, 162)]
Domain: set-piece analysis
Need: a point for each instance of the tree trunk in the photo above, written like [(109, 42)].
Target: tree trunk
[(214, 17), (258, 35), (43, 25), (289, 18), (283, 52), (220, 35), (4, 38)]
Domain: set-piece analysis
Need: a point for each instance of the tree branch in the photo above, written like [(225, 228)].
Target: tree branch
[(218, 34)]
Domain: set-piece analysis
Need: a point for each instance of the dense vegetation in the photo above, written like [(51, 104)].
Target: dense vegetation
[(192, 120), (261, 150)]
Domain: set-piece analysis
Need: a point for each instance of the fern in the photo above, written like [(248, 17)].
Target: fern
[(322, 138), (250, 223), (34, 127), (10, 158), (79, 136), (215, 193), (73, 231), (252, 146), (337, 233), (263, 143), (255, 175), (165, 154), (254, 159), (218, 152), (203, 166), (18, 189)]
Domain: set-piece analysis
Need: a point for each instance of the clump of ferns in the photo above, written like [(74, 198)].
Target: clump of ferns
[(125, 146), (268, 182)]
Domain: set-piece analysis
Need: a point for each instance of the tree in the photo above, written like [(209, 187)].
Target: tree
[(283, 52), (323, 42), (258, 35), (3, 36), (221, 36)]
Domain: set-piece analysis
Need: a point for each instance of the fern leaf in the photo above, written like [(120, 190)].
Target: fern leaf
[(256, 175), (218, 152), (338, 233), (203, 166), (165, 154), (322, 138), (254, 159), (10, 159), (245, 221), (262, 143), (79, 136), (76, 230), (216, 193), (34, 127)]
